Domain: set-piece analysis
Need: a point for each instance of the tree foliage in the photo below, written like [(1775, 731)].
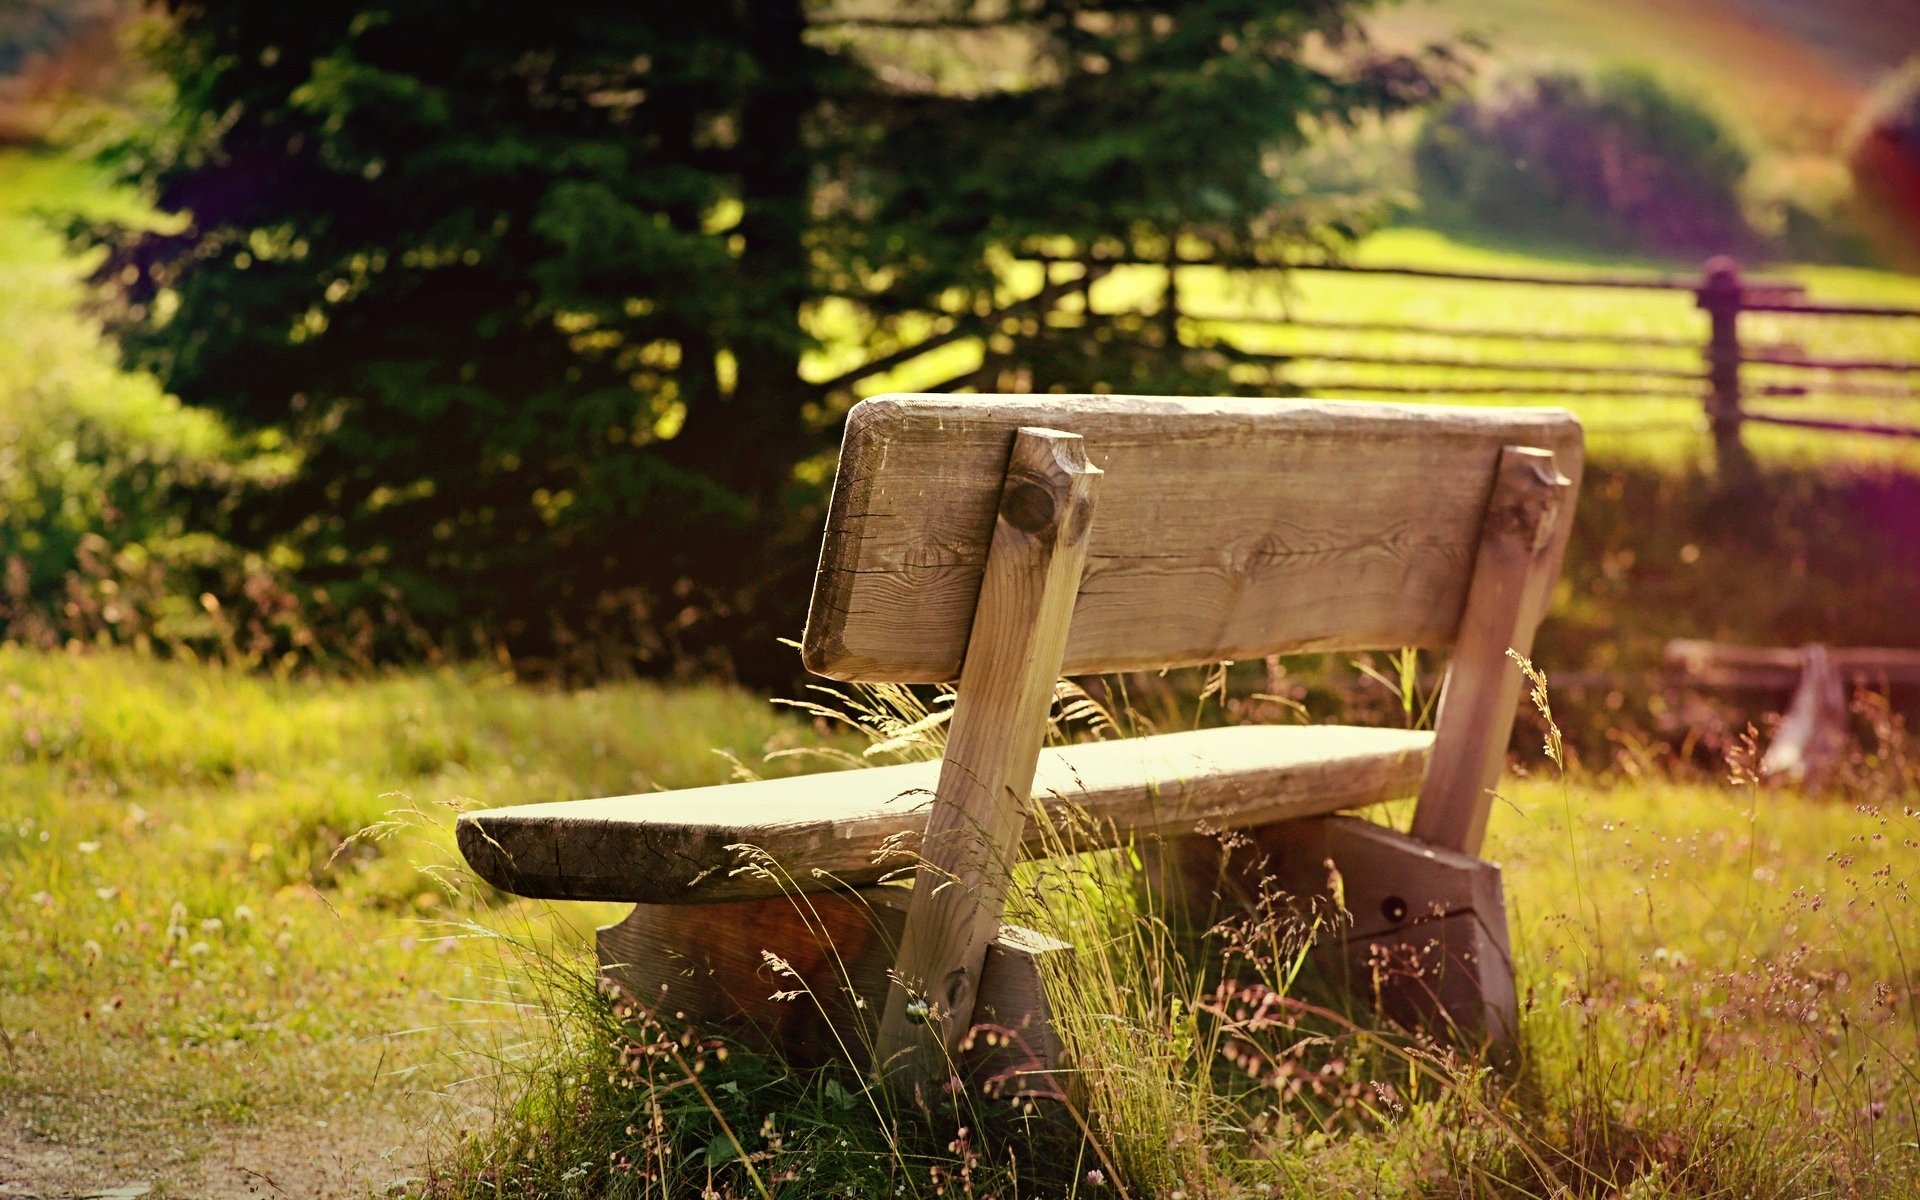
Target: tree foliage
[(1883, 152), (527, 288), (1619, 160)]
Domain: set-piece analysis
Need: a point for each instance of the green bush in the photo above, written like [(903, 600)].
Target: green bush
[(1883, 153), (108, 486), (1617, 161)]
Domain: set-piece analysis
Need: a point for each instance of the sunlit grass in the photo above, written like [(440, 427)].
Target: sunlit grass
[(1717, 1000), (195, 937)]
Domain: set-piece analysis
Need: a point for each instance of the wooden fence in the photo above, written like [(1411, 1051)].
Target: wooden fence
[(1721, 384)]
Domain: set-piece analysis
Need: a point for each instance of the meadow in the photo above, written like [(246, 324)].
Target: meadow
[(240, 956), (206, 974)]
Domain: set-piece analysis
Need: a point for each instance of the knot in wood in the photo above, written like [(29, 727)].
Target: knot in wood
[(959, 986), (1027, 506), (1528, 517)]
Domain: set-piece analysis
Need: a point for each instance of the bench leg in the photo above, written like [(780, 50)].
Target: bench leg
[(1427, 944), (807, 975)]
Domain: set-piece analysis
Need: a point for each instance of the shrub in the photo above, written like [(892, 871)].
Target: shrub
[(1883, 152), (1617, 161)]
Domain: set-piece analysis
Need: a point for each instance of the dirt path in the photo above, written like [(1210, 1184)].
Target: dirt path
[(344, 1154)]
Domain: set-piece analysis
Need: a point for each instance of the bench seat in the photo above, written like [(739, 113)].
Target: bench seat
[(683, 847)]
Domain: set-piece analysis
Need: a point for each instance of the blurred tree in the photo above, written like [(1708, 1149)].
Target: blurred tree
[(528, 287), (1619, 161), (1883, 153)]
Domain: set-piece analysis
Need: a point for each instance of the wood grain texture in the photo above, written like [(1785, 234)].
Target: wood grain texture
[(737, 966), (1229, 528), (1717, 664), (1019, 631), (1426, 935), (685, 847), (1528, 521)]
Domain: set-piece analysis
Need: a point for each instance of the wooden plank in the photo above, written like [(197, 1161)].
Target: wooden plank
[(1812, 738), (685, 847), (1621, 391), (965, 865), (1525, 534), (1471, 364), (1676, 283), (1874, 428), (711, 963), (1477, 332), (1426, 941), (1230, 528), (1830, 310), (1718, 664), (1777, 359)]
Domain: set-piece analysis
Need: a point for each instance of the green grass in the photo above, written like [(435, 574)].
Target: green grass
[(1720, 983), (1718, 1000), (193, 941)]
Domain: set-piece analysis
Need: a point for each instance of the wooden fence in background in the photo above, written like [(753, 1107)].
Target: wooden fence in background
[(1722, 384)]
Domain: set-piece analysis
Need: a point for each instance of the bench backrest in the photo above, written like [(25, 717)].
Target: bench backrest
[(1225, 528), (1004, 541)]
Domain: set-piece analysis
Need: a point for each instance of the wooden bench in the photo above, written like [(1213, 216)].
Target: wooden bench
[(1005, 541)]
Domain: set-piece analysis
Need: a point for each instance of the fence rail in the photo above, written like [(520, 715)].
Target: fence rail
[(1732, 370)]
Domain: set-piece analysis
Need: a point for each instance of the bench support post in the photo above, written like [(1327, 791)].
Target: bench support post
[(1014, 652), (1521, 542), (1416, 932), (1812, 737), (1427, 940), (806, 974)]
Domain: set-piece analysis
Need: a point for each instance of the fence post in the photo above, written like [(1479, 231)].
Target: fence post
[(1720, 295), (1170, 299)]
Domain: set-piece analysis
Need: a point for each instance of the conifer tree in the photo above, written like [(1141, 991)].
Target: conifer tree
[(525, 289)]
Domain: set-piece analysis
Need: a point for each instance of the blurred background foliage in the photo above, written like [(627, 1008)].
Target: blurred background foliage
[(523, 344), (1620, 158), (527, 308)]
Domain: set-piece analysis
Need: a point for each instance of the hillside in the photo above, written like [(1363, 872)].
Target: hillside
[(1791, 71)]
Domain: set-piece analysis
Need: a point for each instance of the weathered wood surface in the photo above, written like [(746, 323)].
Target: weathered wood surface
[(1427, 944), (682, 847), (1048, 506), (808, 975), (1228, 528), (1528, 521), (1426, 935), (1717, 664), (1812, 738)]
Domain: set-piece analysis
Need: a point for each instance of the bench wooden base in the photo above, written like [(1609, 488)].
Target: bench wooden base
[(807, 975), (1424, 943), (1424, 937)]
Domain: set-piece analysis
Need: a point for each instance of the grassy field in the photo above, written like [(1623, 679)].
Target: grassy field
[(204, 976), (199, 963), (207, 983)]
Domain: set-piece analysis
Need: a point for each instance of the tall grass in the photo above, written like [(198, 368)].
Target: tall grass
[(1704, 1030), (193, 945)]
